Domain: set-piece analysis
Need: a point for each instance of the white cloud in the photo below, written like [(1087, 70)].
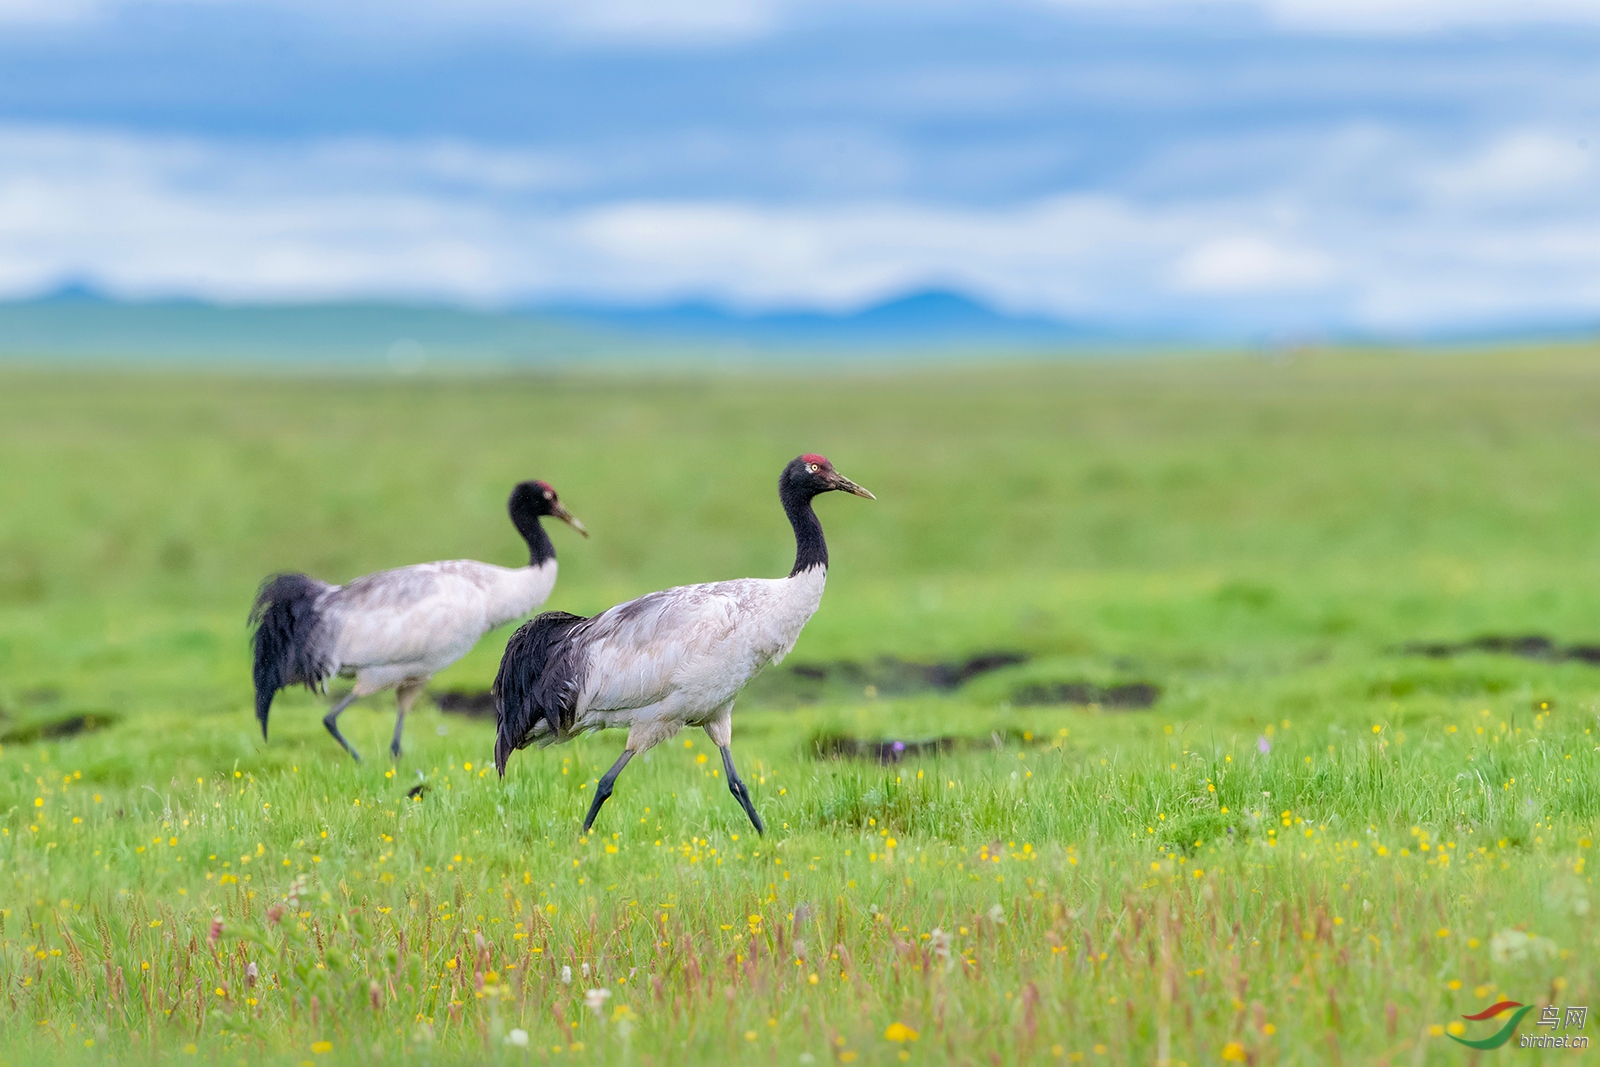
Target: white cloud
[(663, 21), (715, 21), (1063, 254), (1413, 16), (1249, 264), (149, 216), (1365, 16), (666, 19), (1518, 166), (156, 216), (45, 11)]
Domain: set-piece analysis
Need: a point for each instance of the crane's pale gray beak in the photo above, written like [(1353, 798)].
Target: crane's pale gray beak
[(567, 517), (845, 485)]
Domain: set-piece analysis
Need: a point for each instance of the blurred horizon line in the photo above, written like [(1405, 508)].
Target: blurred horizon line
[(82, 322)]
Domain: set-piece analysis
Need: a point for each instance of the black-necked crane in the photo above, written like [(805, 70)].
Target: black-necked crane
[(670, 659), (397, 628)]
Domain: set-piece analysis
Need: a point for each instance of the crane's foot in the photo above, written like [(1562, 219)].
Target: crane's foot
[(602, 790), (333, 728), (331, 721), (740, 792)]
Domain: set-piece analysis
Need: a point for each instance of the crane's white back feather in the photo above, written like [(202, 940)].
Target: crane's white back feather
[(684, 653), (417, 620)]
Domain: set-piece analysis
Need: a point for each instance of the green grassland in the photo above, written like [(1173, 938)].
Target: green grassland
[(1312, 849)]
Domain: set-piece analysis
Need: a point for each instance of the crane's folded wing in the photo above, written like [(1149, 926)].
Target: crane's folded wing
[(408, 615), (636, 652)]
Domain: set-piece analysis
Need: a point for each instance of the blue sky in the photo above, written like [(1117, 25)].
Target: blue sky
[(1266, 166)]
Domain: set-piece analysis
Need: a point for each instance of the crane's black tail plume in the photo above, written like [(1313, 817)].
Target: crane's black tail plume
[(286, 638), (536, 691)]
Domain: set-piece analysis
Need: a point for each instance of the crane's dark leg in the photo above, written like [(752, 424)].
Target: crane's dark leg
[(331, 721), (602, 792), (736, 786), (404, 697)]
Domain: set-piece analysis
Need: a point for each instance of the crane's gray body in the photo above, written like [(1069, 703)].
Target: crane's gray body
[(667, 660), (410, 623)]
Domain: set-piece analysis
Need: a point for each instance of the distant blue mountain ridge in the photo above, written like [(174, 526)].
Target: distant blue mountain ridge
[(78, 322), (930, 317)]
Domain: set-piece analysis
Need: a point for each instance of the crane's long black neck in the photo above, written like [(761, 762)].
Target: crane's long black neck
[(540, 550), (810, 549)]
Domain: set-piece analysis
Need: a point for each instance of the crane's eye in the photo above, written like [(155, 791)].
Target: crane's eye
[(812, 467), (548, 495)]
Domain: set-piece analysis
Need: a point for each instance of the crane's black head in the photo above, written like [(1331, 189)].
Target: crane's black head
[(809, 475), (805, 477), (530, 502), (533, 500)]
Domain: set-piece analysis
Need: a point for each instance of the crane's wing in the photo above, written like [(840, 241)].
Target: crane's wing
[(634, 653), (405, 615), (559, 666)]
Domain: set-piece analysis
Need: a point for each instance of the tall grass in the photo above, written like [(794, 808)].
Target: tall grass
[(1312, 849)]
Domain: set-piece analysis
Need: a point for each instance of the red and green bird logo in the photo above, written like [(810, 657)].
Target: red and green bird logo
[(1501, 1036)]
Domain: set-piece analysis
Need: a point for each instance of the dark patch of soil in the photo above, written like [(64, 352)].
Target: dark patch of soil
[(474, 705), (809, 683), (1528, 646), (54, 729), (843, 746), (1126, 697), (839, 746)]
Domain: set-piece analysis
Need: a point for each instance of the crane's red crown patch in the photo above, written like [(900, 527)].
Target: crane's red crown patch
[(812, 457)]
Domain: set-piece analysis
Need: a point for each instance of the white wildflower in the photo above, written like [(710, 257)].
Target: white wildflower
[(941, 940), (1514, 946)]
